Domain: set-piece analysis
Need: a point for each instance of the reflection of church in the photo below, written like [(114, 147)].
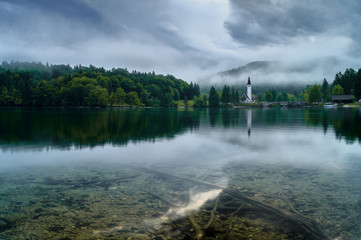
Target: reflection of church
[(249, 122), (248, 97)]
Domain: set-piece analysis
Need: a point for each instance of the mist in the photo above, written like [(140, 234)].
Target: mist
[(215, 36), (267, 73)]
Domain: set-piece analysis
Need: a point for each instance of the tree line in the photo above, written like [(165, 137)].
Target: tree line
[(36, 84)]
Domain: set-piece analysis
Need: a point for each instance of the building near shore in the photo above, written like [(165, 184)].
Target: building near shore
[(248, 97), (342, 98)]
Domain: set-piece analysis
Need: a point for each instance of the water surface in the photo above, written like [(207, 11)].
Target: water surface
[(158, 173)]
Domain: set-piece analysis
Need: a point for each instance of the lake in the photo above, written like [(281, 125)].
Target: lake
[(180, 174)]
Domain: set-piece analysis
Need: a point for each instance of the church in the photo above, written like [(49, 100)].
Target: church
[(248, 97)]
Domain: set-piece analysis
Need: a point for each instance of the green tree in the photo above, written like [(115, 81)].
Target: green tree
[(234, 96), (132, 99), (185, 101), (325, 93), (155, 91), (274, 95), (206, 98), (314, 94), (120, 96), (98, 96), (166, 100), (44, 94), (268, 96), (199, 101), (213, 98), (176, 94), (226, 94), (112, 99), (357, 85), (144, 97), (345, 80), (4, 97), (337, 90), (279, 98), (292, 98), (127, 84), (284, 96)]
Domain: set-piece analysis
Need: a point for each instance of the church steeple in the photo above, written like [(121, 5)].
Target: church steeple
[(249, 90)]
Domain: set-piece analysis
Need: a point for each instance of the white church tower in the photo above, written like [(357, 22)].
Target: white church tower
[(249, 90)]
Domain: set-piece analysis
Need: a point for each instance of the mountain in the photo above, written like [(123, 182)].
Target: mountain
[(270, 75), (250, 67)]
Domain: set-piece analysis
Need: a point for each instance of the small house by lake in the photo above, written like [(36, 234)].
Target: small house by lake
[(342, 98)]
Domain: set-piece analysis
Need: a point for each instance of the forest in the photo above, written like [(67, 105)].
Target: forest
[(36, 84)]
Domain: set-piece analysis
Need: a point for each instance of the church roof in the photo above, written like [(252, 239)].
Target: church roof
[(249, 80)]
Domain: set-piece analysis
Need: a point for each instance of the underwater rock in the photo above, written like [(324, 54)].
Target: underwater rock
[(56, 229), (4, 224), (140, 237)]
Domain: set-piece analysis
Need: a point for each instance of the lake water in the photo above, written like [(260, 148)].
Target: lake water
[(180, 174)]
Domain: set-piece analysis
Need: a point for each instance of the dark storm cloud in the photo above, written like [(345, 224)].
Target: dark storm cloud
[(151, 17), (71, 9), (277, 21), (64, 21), (50, 22), (187, 38)]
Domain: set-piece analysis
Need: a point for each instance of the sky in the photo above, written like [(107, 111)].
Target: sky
[(189, 39)]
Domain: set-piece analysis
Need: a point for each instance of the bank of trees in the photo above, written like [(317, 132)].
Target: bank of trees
[(347, 83), (272, 96), (35, 84)]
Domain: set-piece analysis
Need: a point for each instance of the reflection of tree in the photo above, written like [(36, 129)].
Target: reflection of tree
[(346, 122), (313, 116), (213, 114), (226, 117), (325, 120), (91, 127)]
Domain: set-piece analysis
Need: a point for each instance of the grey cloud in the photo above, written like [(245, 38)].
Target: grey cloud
[(188, 38), (153, 18), (50, 22), (274, 22), (75, 10)]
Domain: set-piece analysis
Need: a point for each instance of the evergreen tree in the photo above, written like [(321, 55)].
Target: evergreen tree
[(226, 94), (357, 85), (325, 95), (234, 96), (213, 98)]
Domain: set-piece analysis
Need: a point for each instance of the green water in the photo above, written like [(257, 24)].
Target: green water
[(140, 173)]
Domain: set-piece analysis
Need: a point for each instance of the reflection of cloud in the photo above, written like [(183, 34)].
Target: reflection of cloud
[(196, 201)]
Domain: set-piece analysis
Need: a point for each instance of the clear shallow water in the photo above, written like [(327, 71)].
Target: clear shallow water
[(140, 174)]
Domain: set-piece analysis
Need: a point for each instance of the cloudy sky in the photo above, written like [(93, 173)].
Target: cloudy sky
[(186, 38)]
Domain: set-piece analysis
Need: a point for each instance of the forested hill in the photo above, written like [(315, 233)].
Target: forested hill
[(37, 84)]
